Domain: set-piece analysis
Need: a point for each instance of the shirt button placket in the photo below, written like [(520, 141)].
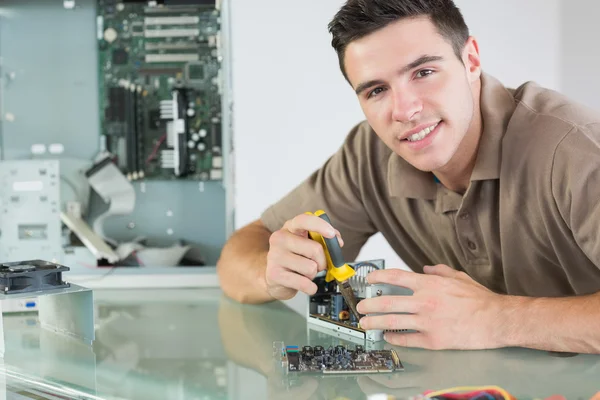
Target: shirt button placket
[(465, 226)]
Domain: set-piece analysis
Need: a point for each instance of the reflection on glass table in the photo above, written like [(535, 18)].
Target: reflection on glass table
[(248, 333), (197, 344)]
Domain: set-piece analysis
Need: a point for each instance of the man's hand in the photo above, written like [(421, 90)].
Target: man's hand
[(294, 259), (448, 309)]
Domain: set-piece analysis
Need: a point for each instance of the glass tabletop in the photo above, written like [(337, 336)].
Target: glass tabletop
[(198, 344)]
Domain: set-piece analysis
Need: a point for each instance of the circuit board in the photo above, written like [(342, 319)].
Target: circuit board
[(329, 305), (338, 360), (160, 87)]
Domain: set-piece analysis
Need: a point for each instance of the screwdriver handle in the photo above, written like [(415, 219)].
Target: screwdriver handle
[(337, 269), (333, 246)]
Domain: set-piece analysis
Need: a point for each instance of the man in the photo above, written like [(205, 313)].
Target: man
[(490, 194)]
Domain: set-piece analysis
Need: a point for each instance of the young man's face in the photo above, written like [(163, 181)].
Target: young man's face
[(415, 93)]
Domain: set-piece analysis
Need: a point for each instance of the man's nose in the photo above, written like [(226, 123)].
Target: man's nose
[(406, 106)]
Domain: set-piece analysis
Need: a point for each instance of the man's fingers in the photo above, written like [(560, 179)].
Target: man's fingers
[(388, 304), (396, 277), (390, 322), (293, 280), (408, 339), (287, 242), (302, 223), (296, 263), (339, 236)]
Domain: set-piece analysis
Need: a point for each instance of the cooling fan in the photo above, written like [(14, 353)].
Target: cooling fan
[(31, 276)]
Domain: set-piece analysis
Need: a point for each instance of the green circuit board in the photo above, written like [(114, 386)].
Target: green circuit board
[(160, 88)]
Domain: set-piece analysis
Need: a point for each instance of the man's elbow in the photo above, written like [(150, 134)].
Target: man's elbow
[(245, 298), (234, 293), (241, 265), (234, 290), (228, 287)]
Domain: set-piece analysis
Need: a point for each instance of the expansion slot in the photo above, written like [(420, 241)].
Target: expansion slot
[(184, 20), (130, 133), (139, 134), (172, 10), (168, 58), (150, 46), (164, 33)]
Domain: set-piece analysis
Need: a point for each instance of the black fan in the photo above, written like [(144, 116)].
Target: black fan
[(31, 276)]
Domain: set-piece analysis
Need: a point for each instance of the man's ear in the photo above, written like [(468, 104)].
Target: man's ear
[(471, 59)]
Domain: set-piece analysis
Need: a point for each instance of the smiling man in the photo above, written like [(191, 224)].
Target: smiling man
[(490, 194)]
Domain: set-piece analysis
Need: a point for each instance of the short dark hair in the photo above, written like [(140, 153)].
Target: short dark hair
[(359, 18)]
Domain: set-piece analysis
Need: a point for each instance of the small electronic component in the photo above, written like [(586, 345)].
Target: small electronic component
[(336, 359)]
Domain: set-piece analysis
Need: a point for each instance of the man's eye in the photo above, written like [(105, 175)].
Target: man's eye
[(375, 92), (424, 72)]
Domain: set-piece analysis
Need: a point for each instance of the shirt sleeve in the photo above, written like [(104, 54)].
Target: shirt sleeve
[(333, 188), (576, 187)]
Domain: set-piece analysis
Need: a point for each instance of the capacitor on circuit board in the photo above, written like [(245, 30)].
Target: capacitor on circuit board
[(318, 351), (323, 309), (337, 306)]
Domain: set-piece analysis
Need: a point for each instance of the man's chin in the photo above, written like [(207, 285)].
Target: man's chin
[(426, 165)]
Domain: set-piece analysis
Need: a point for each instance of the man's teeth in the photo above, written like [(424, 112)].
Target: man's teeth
[(421, 135)]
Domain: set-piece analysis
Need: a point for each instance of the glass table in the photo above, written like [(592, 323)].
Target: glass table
[(198, 344)]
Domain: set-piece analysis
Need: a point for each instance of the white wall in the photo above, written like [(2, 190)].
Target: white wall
[(519, 40), (292, 106), (580, 53), (288, 88)]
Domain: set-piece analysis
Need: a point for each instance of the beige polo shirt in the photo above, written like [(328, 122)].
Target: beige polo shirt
[(528, 223)]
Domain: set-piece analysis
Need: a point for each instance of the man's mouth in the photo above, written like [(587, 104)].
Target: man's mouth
[(422, 134)]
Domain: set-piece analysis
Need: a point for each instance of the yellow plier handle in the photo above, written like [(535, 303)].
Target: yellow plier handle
[(336, 267)]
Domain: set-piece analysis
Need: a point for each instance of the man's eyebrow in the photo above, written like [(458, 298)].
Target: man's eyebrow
[(419, 61), (365, 85)]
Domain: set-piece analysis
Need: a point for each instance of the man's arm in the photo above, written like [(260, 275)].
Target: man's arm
[(568, 324), (257, 266), (241, 267)]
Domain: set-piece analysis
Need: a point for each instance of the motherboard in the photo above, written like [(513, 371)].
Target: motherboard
[(329, 310), (160, 87), (328, 304), (337, 360)]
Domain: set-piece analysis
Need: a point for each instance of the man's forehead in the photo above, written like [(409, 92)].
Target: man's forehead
[(400, 43)]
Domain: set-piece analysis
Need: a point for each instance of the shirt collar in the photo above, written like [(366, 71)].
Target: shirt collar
[(497, 106)]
